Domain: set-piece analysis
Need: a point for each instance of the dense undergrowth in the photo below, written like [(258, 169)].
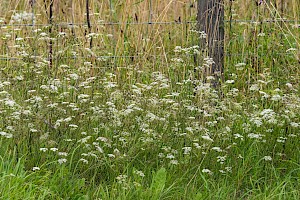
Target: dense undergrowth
[(156, 131)]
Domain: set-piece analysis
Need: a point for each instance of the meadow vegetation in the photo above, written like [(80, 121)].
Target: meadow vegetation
[(127, 111)]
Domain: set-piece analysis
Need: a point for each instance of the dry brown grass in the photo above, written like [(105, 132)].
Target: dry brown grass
[(139, 39)]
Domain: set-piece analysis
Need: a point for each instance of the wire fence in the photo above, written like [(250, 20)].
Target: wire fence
[(148, 30), (149, 23), (228, 54)]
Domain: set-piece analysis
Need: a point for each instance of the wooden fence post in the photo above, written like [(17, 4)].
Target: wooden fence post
[(211, 20)]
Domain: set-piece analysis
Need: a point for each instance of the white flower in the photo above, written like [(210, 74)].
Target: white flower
[(267, 113), (10, 103), (52, 105), (102, 139), (116, 152), (43, 34), (84, 140), (294, 124), (203, 35), (240, 64), (254, 87), (218, 149), (99, 148), (267, 158), (53, 88), (237, 136), (84, 160), (73, 126), (43, 149), (254, 136), (33, 130), (229, 81), (209, 61), (62, 153), (221, 159), (20, 17), (111, 155), (110, 85), (206, 137), (257, 121), (210, 78), (62, 160), (140, 173), (170, 156), (83, 96), (207, 171), (161, 155), (177, 60), (281, 140), (197, 146), (229, 169), (178, 49), (62, 34), (35, 168), (74, 76), (53, 149), (291, 49), (276, 97), (68, 119), (189, 129), (174, 162), (187, 150), (121, 178), (7, 135)]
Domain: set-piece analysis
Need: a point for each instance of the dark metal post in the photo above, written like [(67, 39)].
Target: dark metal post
[(50, 33), (87, 6), (211, 20)]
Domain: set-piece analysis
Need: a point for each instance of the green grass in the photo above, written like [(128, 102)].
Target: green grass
[(151, 127)]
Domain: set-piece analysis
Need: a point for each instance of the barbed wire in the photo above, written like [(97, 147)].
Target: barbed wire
[(227, 54), (102, 23), (152, 23)]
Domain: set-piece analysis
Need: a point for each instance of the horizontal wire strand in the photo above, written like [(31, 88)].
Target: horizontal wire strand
[(108, 57), (149, 23)]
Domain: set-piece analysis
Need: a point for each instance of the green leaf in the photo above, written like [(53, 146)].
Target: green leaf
[(158, 183)]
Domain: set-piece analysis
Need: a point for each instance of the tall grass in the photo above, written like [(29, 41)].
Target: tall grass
[(147, 124)]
